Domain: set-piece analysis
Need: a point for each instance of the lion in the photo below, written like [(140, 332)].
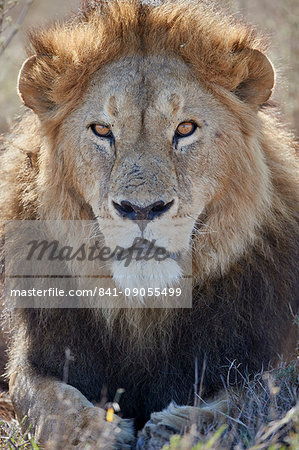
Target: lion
[(151, 121)]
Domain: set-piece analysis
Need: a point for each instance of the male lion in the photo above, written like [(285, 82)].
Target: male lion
[(153, 112)]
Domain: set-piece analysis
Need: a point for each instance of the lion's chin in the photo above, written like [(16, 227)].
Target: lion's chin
[(145, 275)]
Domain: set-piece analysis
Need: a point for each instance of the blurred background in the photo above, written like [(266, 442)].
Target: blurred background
[(279, 19)]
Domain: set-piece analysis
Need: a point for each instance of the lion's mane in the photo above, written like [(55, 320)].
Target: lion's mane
[(244, 273)]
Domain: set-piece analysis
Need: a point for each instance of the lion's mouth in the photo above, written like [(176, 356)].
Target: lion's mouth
[(144, 264), (145, 250)]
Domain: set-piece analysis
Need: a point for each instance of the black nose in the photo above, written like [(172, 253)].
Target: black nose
[(134, 212)]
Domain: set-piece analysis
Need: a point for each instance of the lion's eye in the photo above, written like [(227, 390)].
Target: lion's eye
[(185, 129), (101, 130)]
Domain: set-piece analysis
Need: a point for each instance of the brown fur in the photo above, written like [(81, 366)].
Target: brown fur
[(222, 55), (244, 272)]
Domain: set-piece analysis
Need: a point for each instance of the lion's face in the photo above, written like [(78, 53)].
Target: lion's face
[(145, 180), (209, 189)]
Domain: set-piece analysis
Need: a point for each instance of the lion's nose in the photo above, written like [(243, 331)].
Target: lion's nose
[(134, 212)]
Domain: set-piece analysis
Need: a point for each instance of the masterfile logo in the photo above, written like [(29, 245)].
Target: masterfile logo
[(66, 264)]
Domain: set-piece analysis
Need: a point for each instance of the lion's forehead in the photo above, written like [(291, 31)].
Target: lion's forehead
[(143, 86)]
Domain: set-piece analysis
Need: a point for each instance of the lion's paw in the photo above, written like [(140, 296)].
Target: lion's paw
[(178, 420), (97, 432)]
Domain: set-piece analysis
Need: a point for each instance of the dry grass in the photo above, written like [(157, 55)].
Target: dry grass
[(264, 415)]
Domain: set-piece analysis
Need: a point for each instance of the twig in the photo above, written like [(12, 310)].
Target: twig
[(11, 443), (195, 385), (2, 13), (210, 406), (18, 23), (66, 367)]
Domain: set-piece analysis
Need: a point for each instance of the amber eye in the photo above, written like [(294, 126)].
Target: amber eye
[(101, 130), (185, 129)]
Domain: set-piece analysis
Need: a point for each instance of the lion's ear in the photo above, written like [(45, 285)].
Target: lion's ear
[(258, 85), (33, 88)]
